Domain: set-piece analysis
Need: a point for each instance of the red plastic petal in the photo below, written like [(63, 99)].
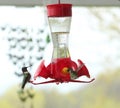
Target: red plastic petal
[(83, 70), (41, 71)]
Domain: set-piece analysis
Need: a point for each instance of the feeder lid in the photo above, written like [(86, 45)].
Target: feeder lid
[(59, 10)]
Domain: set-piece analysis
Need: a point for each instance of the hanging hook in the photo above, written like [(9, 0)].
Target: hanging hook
[(59, 1)]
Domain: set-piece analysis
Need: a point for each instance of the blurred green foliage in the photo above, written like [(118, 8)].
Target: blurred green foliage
[(25, 44), (102, 93)]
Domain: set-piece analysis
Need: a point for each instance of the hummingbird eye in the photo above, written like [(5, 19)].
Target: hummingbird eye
[(24, 69)]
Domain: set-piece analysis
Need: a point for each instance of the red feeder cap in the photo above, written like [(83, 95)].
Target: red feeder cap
[(59, 10)]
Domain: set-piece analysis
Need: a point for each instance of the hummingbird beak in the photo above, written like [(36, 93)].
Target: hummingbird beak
[(25, 68), (29, 66)]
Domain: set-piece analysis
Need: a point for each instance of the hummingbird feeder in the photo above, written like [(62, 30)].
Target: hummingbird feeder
[(62, 68)]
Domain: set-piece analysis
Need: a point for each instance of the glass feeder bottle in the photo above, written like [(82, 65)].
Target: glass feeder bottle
[(59, 18), (61, 68)]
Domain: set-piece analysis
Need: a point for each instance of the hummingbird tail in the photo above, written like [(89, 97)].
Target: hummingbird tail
[(24, 83)]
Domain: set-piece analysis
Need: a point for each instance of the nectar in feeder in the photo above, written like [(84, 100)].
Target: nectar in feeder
[(59, 17), (61, 68)]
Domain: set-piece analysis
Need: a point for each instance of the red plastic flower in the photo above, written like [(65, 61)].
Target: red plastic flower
[(62, 70)]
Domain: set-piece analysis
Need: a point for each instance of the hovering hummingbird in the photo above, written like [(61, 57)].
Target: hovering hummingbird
[(74, 74), (26, 76)]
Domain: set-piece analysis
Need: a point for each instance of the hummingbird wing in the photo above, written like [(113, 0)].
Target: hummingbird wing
[(18, 74), (73, 74), (82, 70)]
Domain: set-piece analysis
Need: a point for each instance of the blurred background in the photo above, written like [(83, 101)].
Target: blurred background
[(94, 38)]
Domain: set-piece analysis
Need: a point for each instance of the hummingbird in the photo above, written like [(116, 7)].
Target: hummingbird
[(74, 74), (26, 76)]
